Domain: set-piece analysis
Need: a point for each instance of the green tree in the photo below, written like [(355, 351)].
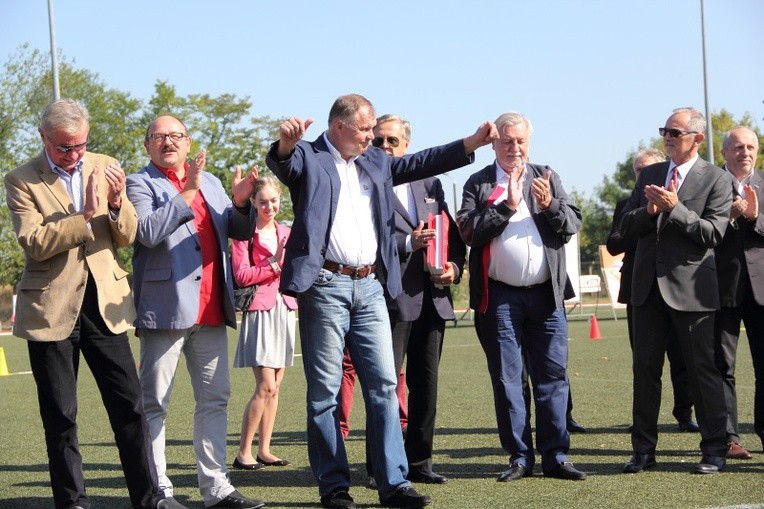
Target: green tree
[(222, 125)]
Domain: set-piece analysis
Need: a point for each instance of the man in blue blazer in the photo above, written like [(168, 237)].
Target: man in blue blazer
[(184, 296), (342, 241)]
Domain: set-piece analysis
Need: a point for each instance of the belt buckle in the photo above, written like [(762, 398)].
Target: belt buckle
[(356, 274)]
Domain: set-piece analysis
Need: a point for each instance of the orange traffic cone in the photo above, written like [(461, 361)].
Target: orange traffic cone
[(594, 328)]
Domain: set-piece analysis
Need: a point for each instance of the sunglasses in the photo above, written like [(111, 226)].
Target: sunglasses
[(391, 140), (674, 133)]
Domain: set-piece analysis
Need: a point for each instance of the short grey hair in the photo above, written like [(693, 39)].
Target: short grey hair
[(405, 124), (697, 120), (656, 155), (726, 139), (513, 118), (65, 115)]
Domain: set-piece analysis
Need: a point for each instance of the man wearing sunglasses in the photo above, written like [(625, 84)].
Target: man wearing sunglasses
[(184, 296), (69, 211), (418, 315), (680, 210), (617, 244)]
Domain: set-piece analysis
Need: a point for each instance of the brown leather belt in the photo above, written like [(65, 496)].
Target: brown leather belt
[(349, 270)]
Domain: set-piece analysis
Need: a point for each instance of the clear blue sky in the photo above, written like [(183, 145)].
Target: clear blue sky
[(595, 77)]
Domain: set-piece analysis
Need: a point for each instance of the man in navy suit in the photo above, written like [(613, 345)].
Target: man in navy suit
[(740, 262), (679, 209), (418, 315), (184, 296), (342, 241)]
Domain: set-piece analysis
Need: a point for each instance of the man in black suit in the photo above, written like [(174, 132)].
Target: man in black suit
[(740, 262), (418, 315), (617, 244), (680, 211)]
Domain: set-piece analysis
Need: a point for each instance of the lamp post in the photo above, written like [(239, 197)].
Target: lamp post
[(53, 52), (709, 129), (453, 184)]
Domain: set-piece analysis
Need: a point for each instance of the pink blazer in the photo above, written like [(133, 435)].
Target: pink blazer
[(261, 272)]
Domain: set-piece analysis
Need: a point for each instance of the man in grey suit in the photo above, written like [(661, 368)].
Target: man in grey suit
[(740, 262), (680, 211), (617, 244), (184, 296)]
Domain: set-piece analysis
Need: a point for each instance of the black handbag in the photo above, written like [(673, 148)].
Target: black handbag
[(243, 295)]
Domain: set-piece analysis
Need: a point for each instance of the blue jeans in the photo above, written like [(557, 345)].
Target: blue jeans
[(334, 312), (519, 321)]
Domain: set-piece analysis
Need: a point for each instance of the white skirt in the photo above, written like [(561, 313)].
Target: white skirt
[(266, 338)]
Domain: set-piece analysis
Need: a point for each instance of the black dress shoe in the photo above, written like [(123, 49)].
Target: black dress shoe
[(688, 426), (246, 466), (406, 497), (170, 503), (516, 472), (277, 463), (709, 465), (638, 463), (238, 501), (574, 427), (566, 470), (338, 499), (427, 477), (371, 483)]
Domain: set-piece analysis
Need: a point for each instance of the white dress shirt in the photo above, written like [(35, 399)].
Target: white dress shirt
[(517, 255), (353, 237)]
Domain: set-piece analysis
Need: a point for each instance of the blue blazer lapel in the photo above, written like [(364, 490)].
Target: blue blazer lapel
[(326, 162)]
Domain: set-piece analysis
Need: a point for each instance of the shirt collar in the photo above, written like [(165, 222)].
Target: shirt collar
[(172, 174), (683, 168), (336, 153), (502, 177), (61, 171)]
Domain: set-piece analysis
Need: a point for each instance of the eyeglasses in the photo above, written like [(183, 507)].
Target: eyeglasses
[(391, 140), (160, 137), (68, 148), (674, 133)]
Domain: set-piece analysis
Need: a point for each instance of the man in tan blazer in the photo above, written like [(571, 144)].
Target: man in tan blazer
[(69, 210)]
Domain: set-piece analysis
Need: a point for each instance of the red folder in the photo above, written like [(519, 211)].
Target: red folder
[(437, 248)]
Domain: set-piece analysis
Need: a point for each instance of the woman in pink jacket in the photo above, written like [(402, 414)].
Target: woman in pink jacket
[(267, 332)]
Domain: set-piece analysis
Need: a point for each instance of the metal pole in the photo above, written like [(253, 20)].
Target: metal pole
[(453, 184), (709, 128), (53, 52)]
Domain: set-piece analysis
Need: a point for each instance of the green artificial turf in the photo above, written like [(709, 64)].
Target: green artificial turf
[(467, 448)]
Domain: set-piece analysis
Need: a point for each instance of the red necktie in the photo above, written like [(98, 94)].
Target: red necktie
[(675, 181)]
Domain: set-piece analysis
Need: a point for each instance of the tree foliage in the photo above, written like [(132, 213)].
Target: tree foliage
[(221, 125)]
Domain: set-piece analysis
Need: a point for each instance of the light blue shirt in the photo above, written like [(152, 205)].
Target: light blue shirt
[(73, 182)]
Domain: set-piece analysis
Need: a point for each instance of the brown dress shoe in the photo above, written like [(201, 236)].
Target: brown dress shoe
[(737, 452)]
